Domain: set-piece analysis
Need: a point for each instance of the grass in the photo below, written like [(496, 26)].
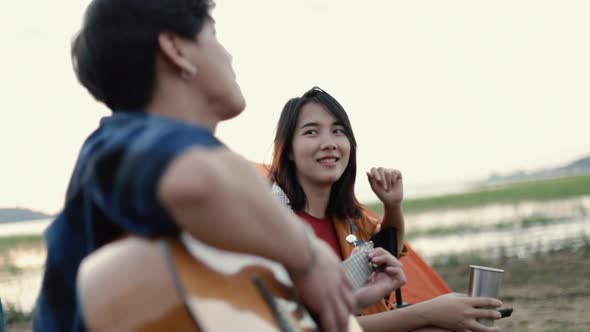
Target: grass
[(542, 190), (9, 243), (16, 318), (10, 269), (20, 241), (14, 315)]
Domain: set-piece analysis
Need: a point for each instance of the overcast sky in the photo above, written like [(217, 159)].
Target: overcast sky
[(446, 91)]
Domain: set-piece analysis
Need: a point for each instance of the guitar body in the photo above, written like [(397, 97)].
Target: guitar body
[(138, 284), (126, 286)]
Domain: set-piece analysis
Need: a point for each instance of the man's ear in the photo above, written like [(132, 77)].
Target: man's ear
[(172, 47)]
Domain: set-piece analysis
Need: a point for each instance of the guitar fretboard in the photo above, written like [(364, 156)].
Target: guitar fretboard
[(358, 267)]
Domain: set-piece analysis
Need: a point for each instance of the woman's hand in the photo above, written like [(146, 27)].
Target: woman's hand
[(387, 277), (387, 184), (459, 312)]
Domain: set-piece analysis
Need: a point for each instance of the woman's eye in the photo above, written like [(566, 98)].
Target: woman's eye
[(310, 132), (339, 131)]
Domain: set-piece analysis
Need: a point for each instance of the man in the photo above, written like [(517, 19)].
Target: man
[(154, 166)]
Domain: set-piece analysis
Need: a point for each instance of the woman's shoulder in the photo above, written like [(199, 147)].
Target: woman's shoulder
[(364, 225), (369, 219)]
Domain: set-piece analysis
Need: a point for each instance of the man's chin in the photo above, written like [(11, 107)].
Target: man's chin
[(236, 108)]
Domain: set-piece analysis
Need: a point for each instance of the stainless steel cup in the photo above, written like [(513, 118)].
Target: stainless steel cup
[(484, 281)]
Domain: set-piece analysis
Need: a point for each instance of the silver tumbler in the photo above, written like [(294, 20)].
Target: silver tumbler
[(484, 281)]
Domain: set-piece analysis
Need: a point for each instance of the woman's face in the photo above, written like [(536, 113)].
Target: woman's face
[(321, 149), (215, 76)]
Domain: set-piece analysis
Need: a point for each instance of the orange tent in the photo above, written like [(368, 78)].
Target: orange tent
[(423, 283)]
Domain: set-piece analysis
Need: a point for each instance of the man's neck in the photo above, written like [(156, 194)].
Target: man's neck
[(179, 102)]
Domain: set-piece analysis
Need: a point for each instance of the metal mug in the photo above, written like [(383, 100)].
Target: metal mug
[(484, 281)]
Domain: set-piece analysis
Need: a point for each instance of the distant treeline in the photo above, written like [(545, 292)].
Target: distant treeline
[(18, 214), (577, 167)]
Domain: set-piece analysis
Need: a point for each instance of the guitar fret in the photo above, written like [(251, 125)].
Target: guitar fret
[(358, 267)]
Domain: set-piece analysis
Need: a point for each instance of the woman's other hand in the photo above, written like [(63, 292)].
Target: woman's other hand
[(459, 312)]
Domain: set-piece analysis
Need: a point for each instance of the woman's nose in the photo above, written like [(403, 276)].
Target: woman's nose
[(329, 146)]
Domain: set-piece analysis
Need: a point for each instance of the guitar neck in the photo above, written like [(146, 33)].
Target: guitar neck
[(358, 267)]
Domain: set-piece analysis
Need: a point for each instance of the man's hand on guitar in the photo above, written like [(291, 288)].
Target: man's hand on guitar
[(326, 290), (387, 277)]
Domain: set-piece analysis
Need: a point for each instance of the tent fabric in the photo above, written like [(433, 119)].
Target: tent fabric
[(423, 282)]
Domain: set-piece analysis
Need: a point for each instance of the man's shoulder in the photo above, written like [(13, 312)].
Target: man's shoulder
[(140, 129), (131, 149), (139, 134)]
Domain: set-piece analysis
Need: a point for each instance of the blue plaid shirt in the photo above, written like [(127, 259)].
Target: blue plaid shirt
[(112, 191)]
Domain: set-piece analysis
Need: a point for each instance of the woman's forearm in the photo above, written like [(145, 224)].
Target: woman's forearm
[(393, 216), (406, 319)]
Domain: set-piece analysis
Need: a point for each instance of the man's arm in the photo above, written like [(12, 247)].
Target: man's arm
[(214, 194), (222, 199)]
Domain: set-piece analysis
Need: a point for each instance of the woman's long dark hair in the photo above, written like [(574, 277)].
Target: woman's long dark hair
[(342, 202)]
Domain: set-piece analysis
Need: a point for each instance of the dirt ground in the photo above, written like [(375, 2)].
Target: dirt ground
[(549, 293), (23, 327)]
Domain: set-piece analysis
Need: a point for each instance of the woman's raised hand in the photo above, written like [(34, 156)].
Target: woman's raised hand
[(387, 184)]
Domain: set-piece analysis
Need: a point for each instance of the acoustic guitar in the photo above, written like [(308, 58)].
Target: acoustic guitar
[(137, 284)]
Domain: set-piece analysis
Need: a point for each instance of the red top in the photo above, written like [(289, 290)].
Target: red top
[(323, 228)]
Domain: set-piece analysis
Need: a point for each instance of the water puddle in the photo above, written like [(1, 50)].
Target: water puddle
[(514, 242)]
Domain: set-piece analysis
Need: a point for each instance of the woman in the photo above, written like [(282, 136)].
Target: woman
[(314, 164)]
